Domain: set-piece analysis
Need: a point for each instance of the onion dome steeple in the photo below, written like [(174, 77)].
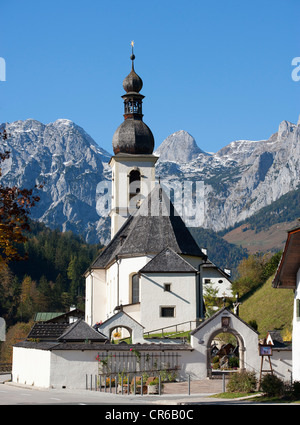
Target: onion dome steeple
[(133, 136), (132, 83)]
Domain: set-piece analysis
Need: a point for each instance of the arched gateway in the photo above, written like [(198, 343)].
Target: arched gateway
[(123, 320), (234, 351), (224, 321)]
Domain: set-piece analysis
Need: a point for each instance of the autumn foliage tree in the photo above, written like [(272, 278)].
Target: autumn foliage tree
[(254, 270), (15, 206)]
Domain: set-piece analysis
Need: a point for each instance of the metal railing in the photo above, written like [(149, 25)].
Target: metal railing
[(5, 368), (138, 385), (192, 325), (135, 384)]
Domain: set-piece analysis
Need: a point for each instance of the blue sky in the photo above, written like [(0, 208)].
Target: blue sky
[(220, 70)]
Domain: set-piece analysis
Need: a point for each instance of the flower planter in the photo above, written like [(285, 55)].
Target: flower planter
[(125, 389), (152, 389)]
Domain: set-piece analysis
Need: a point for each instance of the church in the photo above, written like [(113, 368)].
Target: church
[(152, 268)]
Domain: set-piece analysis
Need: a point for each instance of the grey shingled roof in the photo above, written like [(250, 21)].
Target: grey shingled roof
[(218, 313), (81, 331), (77, 331), (47, 331), (168, 261), (154, 227), (50, 346)]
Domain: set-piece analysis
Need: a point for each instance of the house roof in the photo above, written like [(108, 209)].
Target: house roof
[(107, 346), (153, 227), (274, 337), (77, 331), (217, 314), (81, 331), (116, 317), (58, 317), (47, 331), (209, 265), (286, 274), (44, 316), (168, 261)]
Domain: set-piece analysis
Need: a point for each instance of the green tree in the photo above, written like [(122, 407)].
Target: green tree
[(250, 274), (28, 299), (75, 276), (44, 302), (210, 300), (9, 295)]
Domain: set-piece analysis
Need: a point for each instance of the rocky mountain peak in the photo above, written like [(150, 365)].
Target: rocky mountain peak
[(284, 128), (239, 179), (179, 147)]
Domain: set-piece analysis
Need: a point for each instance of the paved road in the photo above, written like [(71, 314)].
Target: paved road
[(18, 395)]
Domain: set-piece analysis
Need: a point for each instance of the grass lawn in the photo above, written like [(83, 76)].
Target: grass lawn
[(228, 395), (257, 397)]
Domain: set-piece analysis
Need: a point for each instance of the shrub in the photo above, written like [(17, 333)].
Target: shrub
[(215, 359), (296, 390), (271, 385), (244, 382), (233, 362)]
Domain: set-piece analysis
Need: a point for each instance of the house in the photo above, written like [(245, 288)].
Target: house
[(68, 317), (288, 277), (152, 266), (216, 278)]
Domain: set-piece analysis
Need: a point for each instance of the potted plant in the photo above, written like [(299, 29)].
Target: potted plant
[(122, 381), (138, 384), (153, 386)]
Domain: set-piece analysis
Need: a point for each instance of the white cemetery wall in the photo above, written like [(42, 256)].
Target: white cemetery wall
[(31, 367)]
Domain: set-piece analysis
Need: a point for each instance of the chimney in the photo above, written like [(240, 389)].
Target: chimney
[(227, 271)]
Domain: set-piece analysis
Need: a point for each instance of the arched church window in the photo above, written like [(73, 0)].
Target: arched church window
[(135, 289), (134, 183)]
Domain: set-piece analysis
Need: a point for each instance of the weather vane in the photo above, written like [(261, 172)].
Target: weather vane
[(132, 57)]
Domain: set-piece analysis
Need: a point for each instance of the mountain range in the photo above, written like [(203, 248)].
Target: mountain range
[(238, 181)]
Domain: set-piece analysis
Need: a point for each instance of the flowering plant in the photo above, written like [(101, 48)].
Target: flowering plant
[(137, 354), (103, 361)]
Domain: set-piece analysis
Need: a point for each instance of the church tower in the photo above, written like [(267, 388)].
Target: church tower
[(133, 165)]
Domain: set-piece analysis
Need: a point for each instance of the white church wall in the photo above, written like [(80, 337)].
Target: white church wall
[(31, 367), (88, 300), (121, 167), (96, 296), (127, 267), (296, 331), (154, 297), (112, 290), (134, 311)]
